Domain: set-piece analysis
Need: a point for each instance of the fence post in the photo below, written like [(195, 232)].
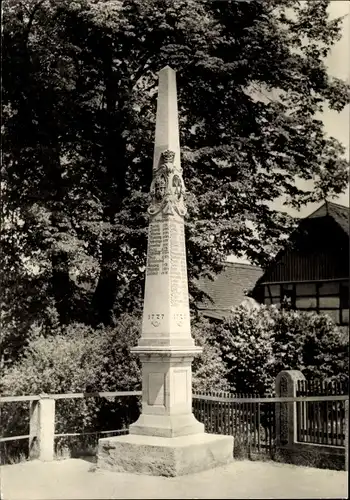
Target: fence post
[(42, 428), (346, 434), (286, 413)]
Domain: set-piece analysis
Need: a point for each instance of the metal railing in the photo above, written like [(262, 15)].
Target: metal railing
[(322, 421), (252, 419)]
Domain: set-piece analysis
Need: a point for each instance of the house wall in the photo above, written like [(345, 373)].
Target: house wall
[(330, 297), (317, 252)]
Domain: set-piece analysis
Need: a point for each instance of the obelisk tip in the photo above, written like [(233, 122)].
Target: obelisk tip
[(167, 69)]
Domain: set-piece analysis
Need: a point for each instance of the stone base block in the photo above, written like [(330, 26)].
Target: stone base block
[(160, 456)]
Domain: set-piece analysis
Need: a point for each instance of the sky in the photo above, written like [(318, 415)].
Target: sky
[(336, 124)]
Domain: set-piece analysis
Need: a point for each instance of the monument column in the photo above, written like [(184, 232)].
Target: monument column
[(166, 347), (166, 439)]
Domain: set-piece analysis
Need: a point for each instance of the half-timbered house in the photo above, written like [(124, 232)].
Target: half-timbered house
[(312, 271)]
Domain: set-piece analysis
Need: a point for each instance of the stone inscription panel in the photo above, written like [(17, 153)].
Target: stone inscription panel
[(158, 249), (154, 251), (166, 256), (178, 270)]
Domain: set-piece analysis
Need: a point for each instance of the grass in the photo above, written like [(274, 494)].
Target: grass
[(17, 459), (13, 452)]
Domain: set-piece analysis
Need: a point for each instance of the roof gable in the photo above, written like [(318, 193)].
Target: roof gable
[(339, 213), (318, 249)]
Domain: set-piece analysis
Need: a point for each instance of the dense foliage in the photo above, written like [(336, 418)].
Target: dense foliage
[(74, 359), (78, 358), (243, 354), (209, 370), (78, 109), (256, 345)]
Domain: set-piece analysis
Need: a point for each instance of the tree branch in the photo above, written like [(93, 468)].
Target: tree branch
[(31, 20)]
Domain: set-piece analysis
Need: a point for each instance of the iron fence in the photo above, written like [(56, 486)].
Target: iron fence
[(321, 422), (250, 419)]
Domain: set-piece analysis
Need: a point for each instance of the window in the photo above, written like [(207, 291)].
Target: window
[(306, 289), (329, 288), (288, 297), (306, 303), (344, 296)]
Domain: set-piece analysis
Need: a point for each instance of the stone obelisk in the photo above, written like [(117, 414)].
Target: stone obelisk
[(166, 439)]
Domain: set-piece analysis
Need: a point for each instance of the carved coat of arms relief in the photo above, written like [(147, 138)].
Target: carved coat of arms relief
[(167, 188)]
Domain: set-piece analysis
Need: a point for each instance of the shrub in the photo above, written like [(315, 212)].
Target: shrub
[(209, 371), (78, 358), (311, 343), (66, 362), (244, 339), (257, 344)]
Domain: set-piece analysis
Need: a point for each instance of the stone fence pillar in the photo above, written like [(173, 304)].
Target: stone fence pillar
[(42, 428), (286, 413), (288, 448)]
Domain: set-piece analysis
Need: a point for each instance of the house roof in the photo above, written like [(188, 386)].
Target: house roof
[(228, 289), (316, 250), (339, 213)]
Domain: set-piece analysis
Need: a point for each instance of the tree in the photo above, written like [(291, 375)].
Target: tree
[(79, 93)]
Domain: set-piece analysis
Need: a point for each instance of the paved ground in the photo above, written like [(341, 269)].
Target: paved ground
[(77, 479)]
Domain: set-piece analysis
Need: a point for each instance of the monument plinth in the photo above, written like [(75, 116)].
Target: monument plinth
[(166, 439)]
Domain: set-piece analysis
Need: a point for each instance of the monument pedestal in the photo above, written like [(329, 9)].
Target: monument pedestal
[(167, 439), (166, 392), (159, 456)]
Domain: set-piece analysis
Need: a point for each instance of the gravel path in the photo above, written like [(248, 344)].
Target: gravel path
[(78, 479)]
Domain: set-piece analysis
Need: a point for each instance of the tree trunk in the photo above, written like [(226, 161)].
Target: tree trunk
[(115, 187), (106, 290), (61, 284)]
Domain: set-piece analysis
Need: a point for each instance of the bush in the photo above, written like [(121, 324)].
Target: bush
[(209, 371), (78, 358), (257, 344), (243, 354), (244, 339), (311, 343)]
